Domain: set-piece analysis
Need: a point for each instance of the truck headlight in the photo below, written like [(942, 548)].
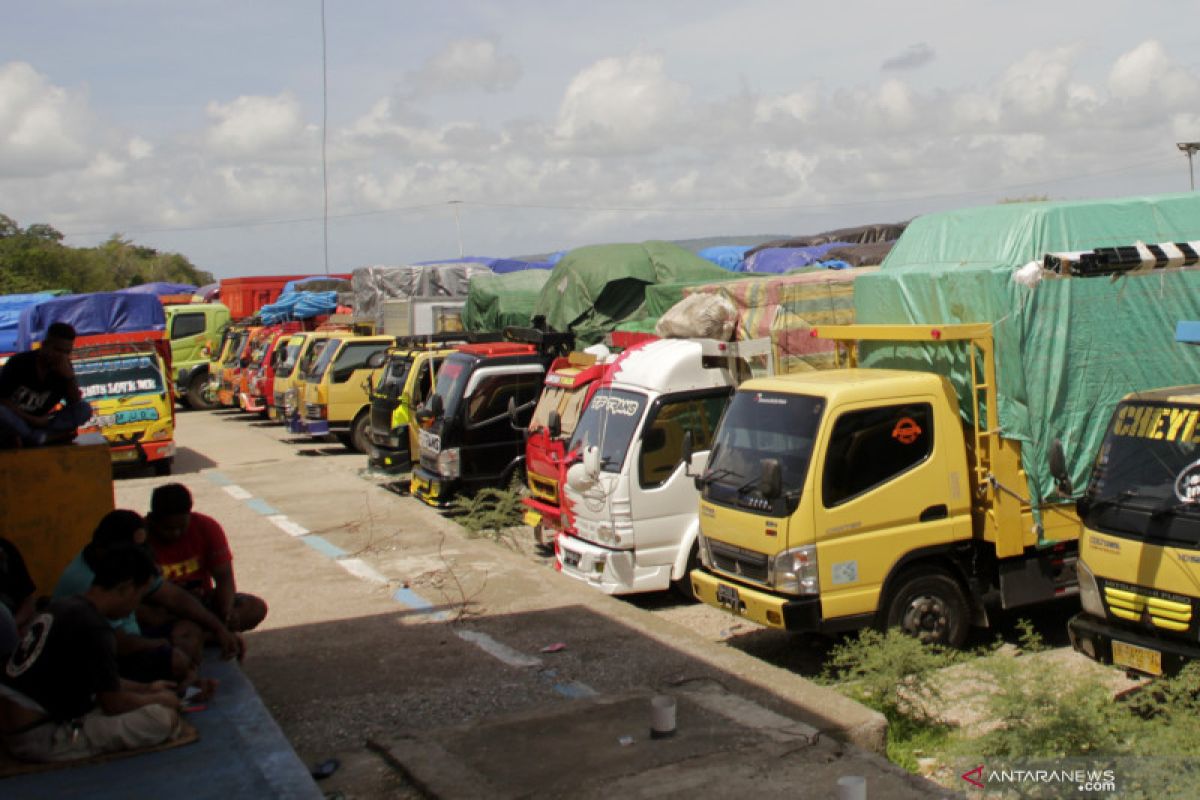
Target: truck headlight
[(1089, 592), (705, 555), (448, 464), (795, 571)]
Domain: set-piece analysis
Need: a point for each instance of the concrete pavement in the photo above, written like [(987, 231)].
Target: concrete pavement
[(390, 626)]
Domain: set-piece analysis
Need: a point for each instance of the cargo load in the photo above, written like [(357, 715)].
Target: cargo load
[(1067, 348), (495, 302), (404, 300)]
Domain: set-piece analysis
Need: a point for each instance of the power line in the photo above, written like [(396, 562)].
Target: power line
[(454, 204)]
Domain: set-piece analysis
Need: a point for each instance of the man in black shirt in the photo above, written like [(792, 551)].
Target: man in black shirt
[(16, 597), (62, 698), (32, 384)]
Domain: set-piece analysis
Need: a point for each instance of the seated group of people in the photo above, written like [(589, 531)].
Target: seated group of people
[(107, 663)]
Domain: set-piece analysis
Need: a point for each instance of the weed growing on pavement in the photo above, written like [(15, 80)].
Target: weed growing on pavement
[(489, 512), (1029, 639)]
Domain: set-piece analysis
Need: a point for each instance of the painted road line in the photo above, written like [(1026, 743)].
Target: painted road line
[(218, 478), (575, 690), (237, 492), (514, 658), (323, 546), (361, 569), (409, 598), (287, 526), (261, 507)]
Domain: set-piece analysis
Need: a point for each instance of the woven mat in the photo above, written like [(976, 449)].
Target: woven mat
[(10, 766)]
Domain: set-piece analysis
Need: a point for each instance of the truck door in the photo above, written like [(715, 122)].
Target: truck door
[(883, 491), (663, 497), (419, 389), (187, 336), (348, 378), (489, 441)]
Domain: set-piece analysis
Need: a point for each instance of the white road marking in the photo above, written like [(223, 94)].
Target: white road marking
[(287, 526), (361, 569), (237, 492), (497, 650)]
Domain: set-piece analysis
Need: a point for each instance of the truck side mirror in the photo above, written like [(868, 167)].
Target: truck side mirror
[(687, 450), (554, 425), (376, 360), (1058, 468), (591, 462), (770, 479)]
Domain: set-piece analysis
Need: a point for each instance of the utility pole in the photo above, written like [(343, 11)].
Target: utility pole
[(1190, 148)]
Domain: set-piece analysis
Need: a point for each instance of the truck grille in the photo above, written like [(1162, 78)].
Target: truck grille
[(543, 488), (1133, 603), (381, 417), (739, 561), (313, 411)]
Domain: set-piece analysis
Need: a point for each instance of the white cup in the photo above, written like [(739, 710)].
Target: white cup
[(662, 716)]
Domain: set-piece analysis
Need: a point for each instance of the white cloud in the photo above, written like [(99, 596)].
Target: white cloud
[(467, 64), (621, 105), (254, 125), (1147, 70), (1036, 85), (43, 128)]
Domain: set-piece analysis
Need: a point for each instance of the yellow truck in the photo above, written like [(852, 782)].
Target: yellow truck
[(1139, 567), (289, 393), (336, 396), (405, 380), (840, 499)]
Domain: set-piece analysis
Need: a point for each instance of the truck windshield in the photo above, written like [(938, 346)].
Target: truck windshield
[(391, 383), (237, 342), (567, 401), (287, 361), (609, 422), (306, 361), (328, 351), (1146, 481), (760, 425), (105, 378), (452, 381)]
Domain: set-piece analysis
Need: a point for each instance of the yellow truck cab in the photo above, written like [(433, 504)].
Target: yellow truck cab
[(840, 499), (337, 396), (287, 355), (405, 380), (290, 396), (1139, 567), (128, 387)]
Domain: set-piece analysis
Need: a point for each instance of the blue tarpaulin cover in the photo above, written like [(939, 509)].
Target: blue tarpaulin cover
[(778, 260), (160, 288), (91, 314), (11, 306), (726, 256), (299, 305), (500, 266)]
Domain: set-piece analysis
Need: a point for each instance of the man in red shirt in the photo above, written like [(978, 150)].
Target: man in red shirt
[(192, 551)]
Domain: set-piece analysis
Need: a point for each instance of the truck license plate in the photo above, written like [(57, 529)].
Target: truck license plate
[(728, 597), (1140, 658), (570, 558), (430, 441), (532, 519)]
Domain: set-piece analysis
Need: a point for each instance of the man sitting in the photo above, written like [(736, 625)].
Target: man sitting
[(174, 649), (32, 384), (62, 697), (193, 552)]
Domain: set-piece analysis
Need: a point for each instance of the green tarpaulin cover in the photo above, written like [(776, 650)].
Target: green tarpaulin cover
[(593, 289), (497, 301), (1067, 349)]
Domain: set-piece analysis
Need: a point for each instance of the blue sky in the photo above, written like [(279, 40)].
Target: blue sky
[(196, 127)]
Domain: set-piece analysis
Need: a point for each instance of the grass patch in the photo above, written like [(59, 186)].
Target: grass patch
[(489, 512)]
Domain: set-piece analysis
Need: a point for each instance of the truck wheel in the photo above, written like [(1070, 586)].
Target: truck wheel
[(683, 586), (360, 433), (163, 466), (930, 605), (196, 396)]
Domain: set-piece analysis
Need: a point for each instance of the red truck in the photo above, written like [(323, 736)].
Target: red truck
[(244, 296), (258, 377)]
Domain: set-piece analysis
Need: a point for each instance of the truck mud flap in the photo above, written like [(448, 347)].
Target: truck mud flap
[(1038, 578)]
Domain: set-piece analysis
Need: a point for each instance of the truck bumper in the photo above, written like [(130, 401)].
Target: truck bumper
[(142, 452), (252, 403), (430, 489), (390, 460), (765, 608), (539, 512), (1108, 644), (316, 427), (610, 571), (297, 424)]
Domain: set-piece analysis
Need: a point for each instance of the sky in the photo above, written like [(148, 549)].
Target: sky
[(515, 127)]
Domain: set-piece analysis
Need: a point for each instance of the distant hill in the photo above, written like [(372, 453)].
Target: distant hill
[(696, 245)]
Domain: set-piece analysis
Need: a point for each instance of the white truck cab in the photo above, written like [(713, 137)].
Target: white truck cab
[(631, 502)]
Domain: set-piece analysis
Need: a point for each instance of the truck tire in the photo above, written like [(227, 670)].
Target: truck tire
[(360, 433), (683, 586), (196, 395), (929, 603), (163, 466)]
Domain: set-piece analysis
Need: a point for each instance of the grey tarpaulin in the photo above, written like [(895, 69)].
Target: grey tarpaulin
[(373, 285)]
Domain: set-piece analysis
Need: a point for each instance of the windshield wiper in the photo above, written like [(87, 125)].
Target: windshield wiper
[(1116, 499), (1174, 508), (717, 474)]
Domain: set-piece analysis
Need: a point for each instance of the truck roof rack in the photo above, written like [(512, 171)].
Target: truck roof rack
[(547, 341)]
